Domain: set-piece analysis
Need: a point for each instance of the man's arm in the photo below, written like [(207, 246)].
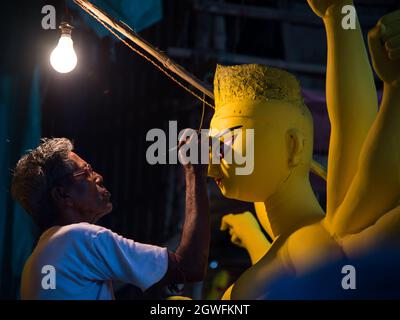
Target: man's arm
[(351, 98), (189, 262)]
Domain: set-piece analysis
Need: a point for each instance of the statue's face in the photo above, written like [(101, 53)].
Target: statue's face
[(271, 121)]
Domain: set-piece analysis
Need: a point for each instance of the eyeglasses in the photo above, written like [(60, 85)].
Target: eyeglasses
[(87, 169)]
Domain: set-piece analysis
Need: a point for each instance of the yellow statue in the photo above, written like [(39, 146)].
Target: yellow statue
[(363, 182), (218, 285)]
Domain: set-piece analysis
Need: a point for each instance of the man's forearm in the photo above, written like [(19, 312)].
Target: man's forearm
[(192, 253)]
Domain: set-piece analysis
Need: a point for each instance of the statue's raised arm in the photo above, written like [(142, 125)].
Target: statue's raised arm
[(375, 189), (351, 98)]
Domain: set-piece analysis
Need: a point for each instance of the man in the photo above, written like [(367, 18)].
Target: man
[(66, 197)]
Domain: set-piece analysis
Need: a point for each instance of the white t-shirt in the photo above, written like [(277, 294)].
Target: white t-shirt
[(86, 258)]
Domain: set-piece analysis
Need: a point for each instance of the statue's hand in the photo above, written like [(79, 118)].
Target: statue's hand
[(320, 7), (384, 45), (241, 226)]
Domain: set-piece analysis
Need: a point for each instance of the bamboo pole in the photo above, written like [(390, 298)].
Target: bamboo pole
[(134, 37), (171, 65)]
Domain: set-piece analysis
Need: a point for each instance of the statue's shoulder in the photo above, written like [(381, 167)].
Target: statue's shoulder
[(264, 275), (311, 246), (383, 234)]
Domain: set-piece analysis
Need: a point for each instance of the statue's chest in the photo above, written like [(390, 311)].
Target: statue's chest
[(303, 265)]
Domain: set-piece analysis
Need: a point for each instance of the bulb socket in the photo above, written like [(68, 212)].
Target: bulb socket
[(66, 28)]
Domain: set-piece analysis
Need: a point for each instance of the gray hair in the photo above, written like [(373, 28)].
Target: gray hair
[(36, 173)]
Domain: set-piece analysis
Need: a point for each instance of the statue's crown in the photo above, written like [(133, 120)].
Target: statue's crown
[(254, 81)]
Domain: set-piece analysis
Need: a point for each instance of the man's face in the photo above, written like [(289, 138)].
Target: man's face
[(88, 195)]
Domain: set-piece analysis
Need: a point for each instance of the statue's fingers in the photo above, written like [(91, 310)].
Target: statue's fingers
[(224, 226), (389, 30), (393, 43), (376, 46), (236, 240), (226, 222), (394, 54), (391, 18)]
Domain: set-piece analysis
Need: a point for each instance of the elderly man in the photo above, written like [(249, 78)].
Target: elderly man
[(66, 197)]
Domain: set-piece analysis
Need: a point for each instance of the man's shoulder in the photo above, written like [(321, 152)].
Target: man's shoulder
[(82, 227), (76, 231)]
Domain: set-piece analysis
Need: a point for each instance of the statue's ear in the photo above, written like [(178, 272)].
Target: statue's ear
[(295, 144)]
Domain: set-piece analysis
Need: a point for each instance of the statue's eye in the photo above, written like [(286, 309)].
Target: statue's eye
[(230, 140), (225, 146)]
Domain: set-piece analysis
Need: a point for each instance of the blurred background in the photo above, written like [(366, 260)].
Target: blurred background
[(114, 97)]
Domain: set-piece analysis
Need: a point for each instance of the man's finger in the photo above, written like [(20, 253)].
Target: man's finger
[(182, 139), (186, 136)]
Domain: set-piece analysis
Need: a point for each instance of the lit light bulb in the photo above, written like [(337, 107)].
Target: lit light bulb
[(63, 58)]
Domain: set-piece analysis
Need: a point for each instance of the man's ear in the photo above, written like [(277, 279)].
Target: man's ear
[(60, 196), (295, 143)]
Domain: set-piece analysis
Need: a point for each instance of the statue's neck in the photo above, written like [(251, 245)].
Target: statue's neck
[(293, 206)]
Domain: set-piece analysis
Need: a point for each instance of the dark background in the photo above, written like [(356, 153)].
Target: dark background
[(114, 97)]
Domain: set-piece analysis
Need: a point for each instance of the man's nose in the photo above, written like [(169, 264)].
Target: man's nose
[(99, 177)]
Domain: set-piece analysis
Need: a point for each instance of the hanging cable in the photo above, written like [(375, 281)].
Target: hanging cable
[(152, 62)]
